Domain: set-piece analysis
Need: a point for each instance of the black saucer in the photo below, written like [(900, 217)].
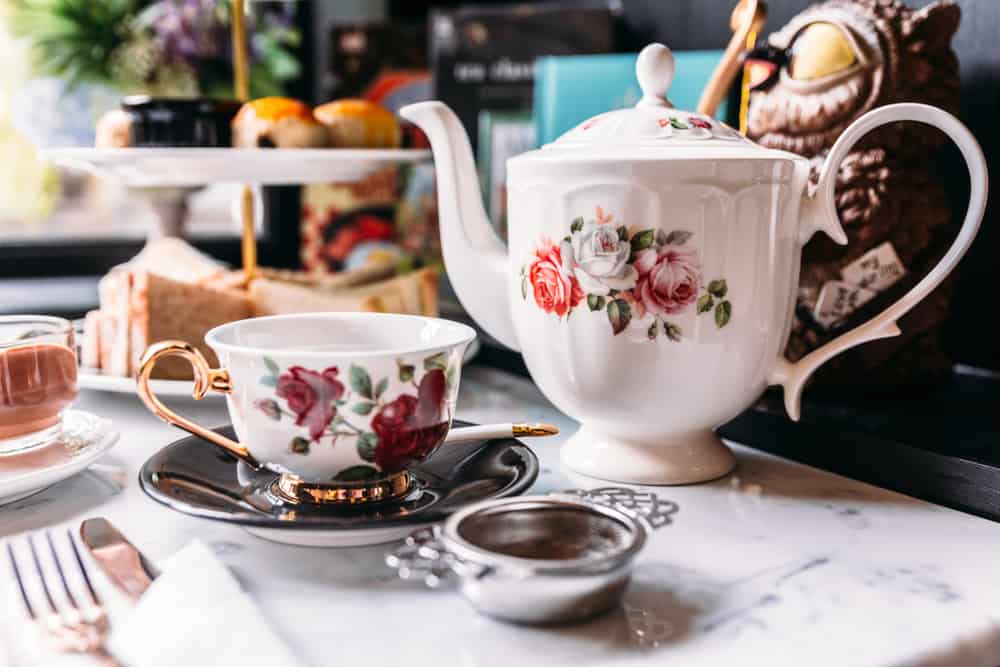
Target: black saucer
[(197, 478)]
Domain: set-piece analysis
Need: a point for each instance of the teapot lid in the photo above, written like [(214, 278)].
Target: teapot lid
[(653, 122)]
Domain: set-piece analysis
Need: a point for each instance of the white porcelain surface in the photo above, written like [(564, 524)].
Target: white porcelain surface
[(86, 437), (180, 167), (651, 267), (776, 565)]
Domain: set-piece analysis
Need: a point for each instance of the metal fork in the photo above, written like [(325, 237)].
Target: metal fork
[(76, 629)]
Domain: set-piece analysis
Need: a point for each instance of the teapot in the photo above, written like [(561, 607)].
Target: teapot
[(651, 269)]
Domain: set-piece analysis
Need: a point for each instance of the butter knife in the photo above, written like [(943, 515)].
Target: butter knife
[(123, 564)]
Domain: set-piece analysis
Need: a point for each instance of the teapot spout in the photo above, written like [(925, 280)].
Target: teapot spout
[(474, 256)]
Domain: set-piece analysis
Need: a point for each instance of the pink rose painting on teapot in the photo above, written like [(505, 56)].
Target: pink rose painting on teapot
[(636, 276)]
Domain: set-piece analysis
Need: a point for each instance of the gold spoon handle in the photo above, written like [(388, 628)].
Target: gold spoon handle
[(241, 70), (748, 17)]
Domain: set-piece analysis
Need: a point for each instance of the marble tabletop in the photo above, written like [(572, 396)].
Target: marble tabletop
[(775, 564)]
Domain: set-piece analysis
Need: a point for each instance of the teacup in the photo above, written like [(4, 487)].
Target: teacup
[(37, 379), (341, 403)]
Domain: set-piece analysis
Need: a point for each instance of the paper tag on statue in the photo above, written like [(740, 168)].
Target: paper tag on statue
[(878, 269), (838, 299)]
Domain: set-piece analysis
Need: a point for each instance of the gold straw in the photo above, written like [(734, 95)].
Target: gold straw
[(240, 64), (241, 69)]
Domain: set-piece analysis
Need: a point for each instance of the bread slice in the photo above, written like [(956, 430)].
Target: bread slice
[(162, 309), (114, 291), (414, 293), (276, 297), (362, 275), (90, 346), (177, 259)]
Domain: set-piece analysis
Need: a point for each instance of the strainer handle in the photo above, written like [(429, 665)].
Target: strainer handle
[(656, 511), (422, 556)]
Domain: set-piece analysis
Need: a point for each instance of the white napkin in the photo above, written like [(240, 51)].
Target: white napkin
[(194, 613)]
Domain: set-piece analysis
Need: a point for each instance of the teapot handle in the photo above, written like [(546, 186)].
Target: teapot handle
[(820, 213)]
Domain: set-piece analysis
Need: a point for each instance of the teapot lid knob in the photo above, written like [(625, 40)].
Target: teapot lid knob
[(655, 70)]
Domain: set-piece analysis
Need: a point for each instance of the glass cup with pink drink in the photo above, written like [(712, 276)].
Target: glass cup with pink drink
[(37, 379)]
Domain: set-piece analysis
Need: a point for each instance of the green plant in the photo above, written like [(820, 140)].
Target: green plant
[(73, 39), (164, 47)]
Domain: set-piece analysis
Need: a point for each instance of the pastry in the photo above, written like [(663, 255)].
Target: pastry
[(356, 123), (113, 130), (277, 122)]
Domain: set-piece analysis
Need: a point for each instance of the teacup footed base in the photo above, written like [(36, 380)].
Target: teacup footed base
[(293, 489), (688, 459)]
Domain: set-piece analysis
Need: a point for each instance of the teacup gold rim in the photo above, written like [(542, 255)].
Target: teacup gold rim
[(465, 335)]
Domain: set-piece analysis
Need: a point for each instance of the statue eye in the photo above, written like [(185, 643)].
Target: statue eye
[(819, 50)]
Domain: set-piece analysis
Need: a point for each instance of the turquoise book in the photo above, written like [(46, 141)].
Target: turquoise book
[(571, 89)]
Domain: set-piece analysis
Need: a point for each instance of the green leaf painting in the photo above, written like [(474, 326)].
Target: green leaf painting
[(619, 314), (718, 288), (642, 240), (298, 445), (723, 311), (360, 381), (595, 301), (367, 442), (436, 361)]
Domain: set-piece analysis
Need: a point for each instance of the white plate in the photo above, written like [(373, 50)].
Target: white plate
[(189, 167), (90, 378), (85, 438)]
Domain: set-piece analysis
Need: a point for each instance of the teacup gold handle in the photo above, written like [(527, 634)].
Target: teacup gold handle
[(205, 378)]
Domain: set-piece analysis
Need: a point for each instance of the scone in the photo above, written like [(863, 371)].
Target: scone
[(278, 122), (359, 124)]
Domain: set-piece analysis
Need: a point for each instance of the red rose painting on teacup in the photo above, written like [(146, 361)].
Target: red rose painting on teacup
[(311, 395), (410, 427), (392, 433), (631, 274)]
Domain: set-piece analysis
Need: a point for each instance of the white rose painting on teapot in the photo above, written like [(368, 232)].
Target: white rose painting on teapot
[(641, 278)]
